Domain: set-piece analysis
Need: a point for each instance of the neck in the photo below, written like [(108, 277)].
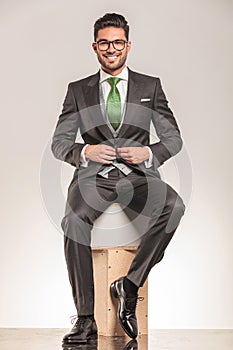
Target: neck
[(115, 72)]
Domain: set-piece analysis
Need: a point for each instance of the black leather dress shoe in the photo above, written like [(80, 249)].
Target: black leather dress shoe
[(83, 332), (126, 308), (79, 347), (132, 345)]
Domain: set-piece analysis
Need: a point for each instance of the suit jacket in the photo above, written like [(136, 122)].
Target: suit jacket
[(81, 115)]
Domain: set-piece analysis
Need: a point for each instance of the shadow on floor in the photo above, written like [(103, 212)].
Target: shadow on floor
[(112, 343)]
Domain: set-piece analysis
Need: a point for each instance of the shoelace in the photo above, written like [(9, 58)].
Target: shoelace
[(131, 303), (77, 321), (73, 319)]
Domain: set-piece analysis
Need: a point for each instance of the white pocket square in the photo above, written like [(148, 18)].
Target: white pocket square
[(145, 99)]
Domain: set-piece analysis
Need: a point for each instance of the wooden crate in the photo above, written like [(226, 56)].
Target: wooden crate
[(111, 263)]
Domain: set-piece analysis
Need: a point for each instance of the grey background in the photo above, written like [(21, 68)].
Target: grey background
[(47, 44)]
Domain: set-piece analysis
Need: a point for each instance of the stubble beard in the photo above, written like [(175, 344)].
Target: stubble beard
[(112, 67)]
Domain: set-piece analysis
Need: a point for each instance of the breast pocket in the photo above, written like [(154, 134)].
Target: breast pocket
[(146, 102)]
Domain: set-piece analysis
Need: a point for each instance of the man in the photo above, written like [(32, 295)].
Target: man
[(113, 110)]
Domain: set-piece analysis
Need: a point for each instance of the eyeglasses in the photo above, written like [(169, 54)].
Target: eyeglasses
[(119, 45)]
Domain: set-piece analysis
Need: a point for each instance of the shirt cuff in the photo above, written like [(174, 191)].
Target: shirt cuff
[(83, 161), (148, 163)]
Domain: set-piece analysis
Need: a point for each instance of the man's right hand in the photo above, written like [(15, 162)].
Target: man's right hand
[(100, 153)]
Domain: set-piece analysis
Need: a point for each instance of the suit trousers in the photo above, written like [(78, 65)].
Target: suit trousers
[(89, 197)]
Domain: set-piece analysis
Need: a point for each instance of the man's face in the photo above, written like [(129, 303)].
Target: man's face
[(112, 60)]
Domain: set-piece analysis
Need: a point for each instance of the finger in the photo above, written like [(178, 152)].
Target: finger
[(110, 149), (103, 160), (106, 162), (112, 154), (106, 157), (123, 154), (109, 157), (123, 150), (130, 161), (126, 156)]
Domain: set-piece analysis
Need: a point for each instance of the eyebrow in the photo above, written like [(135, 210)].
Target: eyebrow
[(111, 40)]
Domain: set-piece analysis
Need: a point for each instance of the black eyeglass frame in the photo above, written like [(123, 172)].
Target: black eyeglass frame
[(111, 42)]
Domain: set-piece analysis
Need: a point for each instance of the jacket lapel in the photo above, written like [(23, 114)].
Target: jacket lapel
[(135, 88), (135, 92), (91, 91), (92, 99)]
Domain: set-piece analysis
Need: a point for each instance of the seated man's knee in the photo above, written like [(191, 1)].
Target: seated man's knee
[(77, 227), (175, 202), (79, 215), (176, 209)]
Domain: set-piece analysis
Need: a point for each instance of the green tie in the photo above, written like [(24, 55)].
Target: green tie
[(114, 103)]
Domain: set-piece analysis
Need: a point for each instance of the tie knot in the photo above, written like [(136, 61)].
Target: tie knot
[(114, 81)]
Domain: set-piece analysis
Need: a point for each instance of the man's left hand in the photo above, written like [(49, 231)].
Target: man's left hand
[(134, 155)]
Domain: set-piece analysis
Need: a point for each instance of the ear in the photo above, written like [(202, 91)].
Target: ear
[(94, 46), (128, 46)]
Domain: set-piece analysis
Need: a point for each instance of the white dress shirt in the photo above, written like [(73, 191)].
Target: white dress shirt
[(122, 86), (105, 88)]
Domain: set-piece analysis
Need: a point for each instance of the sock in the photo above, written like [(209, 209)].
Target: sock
[(87, 316), (129, 287)]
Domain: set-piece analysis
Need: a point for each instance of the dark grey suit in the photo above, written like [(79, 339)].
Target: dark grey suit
[(142, 191)]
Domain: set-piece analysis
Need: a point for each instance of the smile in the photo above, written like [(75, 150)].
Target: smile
[(111, 58)]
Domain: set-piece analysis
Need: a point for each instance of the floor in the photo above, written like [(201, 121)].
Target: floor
[(50, 339)]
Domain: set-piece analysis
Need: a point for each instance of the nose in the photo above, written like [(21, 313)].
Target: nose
[(111, 48)]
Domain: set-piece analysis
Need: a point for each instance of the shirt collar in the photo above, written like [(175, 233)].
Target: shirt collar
[(124, 75)]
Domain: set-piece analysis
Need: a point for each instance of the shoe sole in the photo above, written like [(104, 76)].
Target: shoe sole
[(90, 340), (116, 296)]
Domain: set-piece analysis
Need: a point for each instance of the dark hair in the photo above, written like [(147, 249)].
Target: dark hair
[(111, 20)]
